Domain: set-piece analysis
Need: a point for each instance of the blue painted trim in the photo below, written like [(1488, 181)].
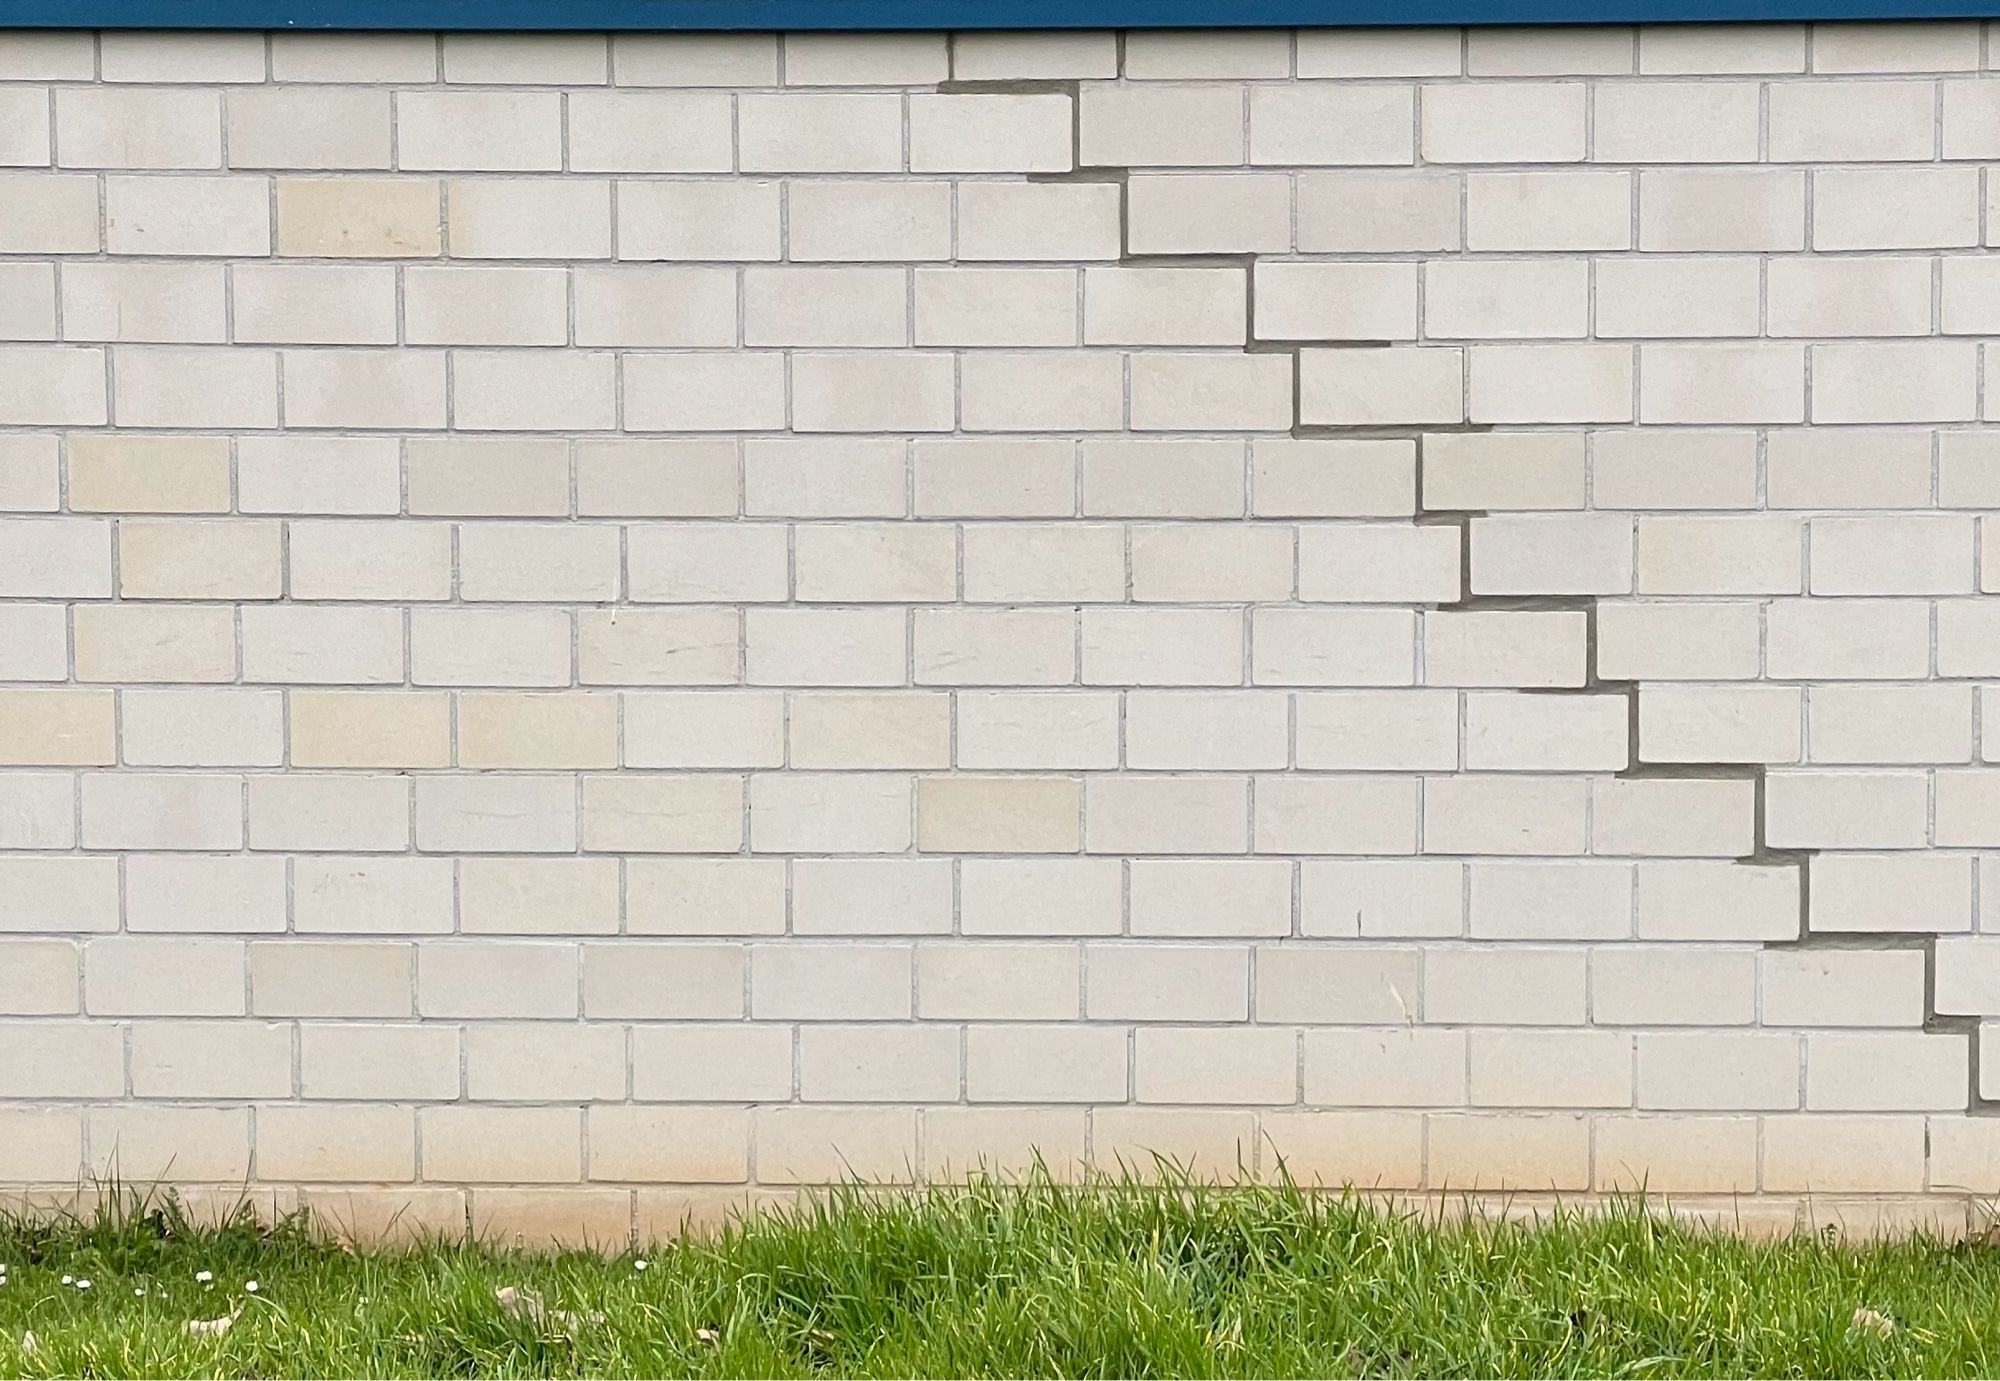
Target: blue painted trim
[(932, 14)]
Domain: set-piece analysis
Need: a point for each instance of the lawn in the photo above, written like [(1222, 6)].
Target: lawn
[(1114, 1279)]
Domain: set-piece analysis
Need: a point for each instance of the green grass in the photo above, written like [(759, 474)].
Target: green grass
[(1114, 1279)]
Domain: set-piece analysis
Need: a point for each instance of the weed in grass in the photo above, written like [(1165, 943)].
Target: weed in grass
[(1106, 1278)]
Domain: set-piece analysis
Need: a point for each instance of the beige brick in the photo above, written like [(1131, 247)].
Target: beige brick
[(56, 386), (1178, 55), (1489, 1152), (358, 217), (1548, 211), (1213, 1143), (1040, 896), (999, 221), (1395, 386), (1214, 1065), (1378, 212), (60, 893), (189, 896), (531, 561), (1044, 54), (990, 133), (666, 479), (28, 302), (1843, 987), (197, 1145), (377, 896), (197, 560), (1156, 982), (1333, 647), (1894, 208), (1224, 213), (694, 814), (706, 729), (630, 305), (1504, 470), (649, 132), (1202, 897), (826, 647), (1179, 126), (38, 810), (1852, 121), (819, 134), (1691, 210), (1327, 301), (48, 1059), (981, 478), (1676, 122), (1676, 817), (147, 810), (297, 978), (486, 306), (175, 977), (105, 127), (697, 220), (1345, 479), (674, 981), (1394, 898), (1503, 815), (43, 1144), (705, 896), (496, 814), (1551, 554), (1635, 985), (1544, 901), (712, 1063), (1548, 383), (877, 1064), (1891, 724), (154, 643), (1409, 1067), (677, 1145), (1504, 648), (1678, 297), (58, 728), (43, 978), (114, 301), (1550, 1069), (505, 729), (1886, 1071), (1718, 901), (867, 563), (1163, 306), (1225, 730), (1736, 1070), (1677, 469), (504, 1145), (1309, 123), (1059, 1064), (1893, 382), (1344, 52), (834, 1145), (546, 391), (202, 728), (1719, 724), (520, 1062), (161, 474), (1890, 892), (1892, 555), (1336, 984), (48, 214), (1481, 298), (361, 1143), (1504, 123), (211, 1060), (370, 729), (1720, 556), (1357, 816), (491, 647), (1043, 391), (1846, 639)]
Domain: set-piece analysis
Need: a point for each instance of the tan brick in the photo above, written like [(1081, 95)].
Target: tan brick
[(1157, 982), (174, 977), (201, 1059), (1224, 213), (148, 810), (58, 728), (812, 812), (504, 729), (694, 814), (1211, 897), (1491, 1152), (190, 1145), (297, 978), (1166, 815), (381, 896), (1504, 815), (871, 896), (61, 893), (355, 1143), (669, 1145), (148, 474), (1718, 901), (504, 1145), (709, 729), (407, 1062), (1040, 896), (370, 729), (44, 978), (196, 895), (496, 814), (371, 218), (1824, 1154)]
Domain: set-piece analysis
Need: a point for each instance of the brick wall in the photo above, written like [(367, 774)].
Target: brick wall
[(594, 628)]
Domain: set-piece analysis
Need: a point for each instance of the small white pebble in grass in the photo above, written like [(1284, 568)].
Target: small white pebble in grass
[(68, 1280), (204, 1277), (83, 1285), (29, 1344), (250, 1287), (641, 1264), (138, 1292)]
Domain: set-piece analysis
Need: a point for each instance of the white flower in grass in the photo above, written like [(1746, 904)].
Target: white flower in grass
[(250, 1287), (641, 1264), (83, 1285), (69, 1280), (204, 1277), (138, 1292)]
